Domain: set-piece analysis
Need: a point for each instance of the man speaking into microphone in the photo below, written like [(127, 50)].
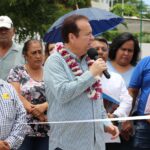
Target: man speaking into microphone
[(73, 91)]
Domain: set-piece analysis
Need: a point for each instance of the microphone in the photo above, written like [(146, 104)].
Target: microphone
[(93, 54)]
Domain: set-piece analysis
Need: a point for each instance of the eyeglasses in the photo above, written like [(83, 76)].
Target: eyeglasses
[(104, 49)]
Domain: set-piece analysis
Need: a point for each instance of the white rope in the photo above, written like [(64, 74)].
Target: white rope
[(94, 120)]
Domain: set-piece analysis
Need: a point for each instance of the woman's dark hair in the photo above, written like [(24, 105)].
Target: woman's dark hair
[(69, 26), (27, 45), (119, 41)]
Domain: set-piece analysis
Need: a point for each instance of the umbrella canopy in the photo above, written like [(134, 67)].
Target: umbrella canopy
[(100, 21)]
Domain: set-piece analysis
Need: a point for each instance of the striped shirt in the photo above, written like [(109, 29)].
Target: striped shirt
[(12, 115), (68, 102)]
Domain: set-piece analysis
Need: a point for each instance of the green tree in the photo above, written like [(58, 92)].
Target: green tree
[(129, 10), (36, 16), (136, 4)]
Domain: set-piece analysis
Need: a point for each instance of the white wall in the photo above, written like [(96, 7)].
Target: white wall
[(145, 50), (103, 4)]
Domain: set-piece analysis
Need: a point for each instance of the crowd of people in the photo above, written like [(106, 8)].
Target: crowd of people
[(52, 95)]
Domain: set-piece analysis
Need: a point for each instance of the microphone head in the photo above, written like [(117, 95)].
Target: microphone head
[(92, 53)]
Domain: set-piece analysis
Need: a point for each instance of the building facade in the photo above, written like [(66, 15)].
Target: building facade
[(103, 4)]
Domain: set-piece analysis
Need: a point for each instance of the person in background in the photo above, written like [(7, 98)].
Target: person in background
[(28, 81), (124, 55), (117, 91), (10, 52), (73, 91), (49, 49), (12, 118), (140, 85)]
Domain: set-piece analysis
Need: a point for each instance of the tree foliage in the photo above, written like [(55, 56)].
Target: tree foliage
[(129, 7), (129, 10), (36, 16)]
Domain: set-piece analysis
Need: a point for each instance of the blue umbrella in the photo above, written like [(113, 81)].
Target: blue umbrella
[(100, 21)]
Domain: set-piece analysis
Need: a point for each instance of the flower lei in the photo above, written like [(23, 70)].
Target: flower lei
[(95, 90)]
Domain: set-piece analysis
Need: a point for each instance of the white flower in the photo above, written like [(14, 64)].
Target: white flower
[(71, 61), (92, 93), (77, 72)]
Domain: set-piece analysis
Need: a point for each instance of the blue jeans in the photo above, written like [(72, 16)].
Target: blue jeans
[(141, 139), (35, 143)]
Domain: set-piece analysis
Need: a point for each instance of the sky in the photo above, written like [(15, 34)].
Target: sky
[(147, 2)]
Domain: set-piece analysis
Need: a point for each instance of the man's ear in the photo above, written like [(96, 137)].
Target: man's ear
[(14, 30), (71, 37)]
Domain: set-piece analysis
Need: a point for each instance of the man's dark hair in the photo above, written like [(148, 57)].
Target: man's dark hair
[(47, 48), (69, 26), (102, 39), (119, 41)]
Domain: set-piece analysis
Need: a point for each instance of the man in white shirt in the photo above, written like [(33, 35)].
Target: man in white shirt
[(114, 87)]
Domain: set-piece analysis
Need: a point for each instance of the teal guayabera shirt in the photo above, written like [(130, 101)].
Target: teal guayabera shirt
[(12, 58), (68, 102)]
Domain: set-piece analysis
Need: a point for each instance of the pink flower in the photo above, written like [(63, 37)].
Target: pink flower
[(72, 65), (59, 47)]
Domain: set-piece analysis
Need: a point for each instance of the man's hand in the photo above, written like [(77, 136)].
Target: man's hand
[(126, 130), (4, 145), (98, 67), (111, 115), (113, 130), (148, 120)]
